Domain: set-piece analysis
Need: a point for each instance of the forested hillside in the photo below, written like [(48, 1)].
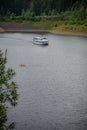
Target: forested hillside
[(58, 12), (40, 6)]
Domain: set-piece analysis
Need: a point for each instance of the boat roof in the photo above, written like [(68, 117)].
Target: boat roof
[(40, 38)]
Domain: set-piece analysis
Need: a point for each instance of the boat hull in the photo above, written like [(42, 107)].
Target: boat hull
[(40, 43)]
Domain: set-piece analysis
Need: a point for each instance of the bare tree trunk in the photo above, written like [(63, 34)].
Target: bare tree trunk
[(6, 53)]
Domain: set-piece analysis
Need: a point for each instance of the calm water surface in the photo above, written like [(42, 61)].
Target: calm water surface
[(52, 86)]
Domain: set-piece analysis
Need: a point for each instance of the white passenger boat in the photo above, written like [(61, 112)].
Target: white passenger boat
[(40, 41)]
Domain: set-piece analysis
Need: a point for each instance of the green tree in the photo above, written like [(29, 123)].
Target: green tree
[(8, 91)]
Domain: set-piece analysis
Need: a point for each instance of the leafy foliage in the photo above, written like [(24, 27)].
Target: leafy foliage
[(8, 91), (69, 11), (38, 6)]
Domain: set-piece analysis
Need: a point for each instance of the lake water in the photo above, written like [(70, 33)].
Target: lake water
[(52, 85)]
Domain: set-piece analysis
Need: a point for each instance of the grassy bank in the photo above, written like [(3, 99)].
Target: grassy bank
[(54, 26), (63, 26), (70, 29)]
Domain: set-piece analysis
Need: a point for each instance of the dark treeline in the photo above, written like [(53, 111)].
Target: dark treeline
[(68, 11), (38, 6)]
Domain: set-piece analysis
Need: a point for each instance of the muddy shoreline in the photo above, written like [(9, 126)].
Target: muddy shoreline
[(20, 27), (26, 28)]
